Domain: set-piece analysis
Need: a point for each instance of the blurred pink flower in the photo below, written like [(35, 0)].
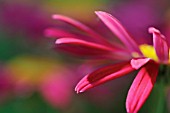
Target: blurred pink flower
[(145, 58), (6, 84), (21, 18), (46, 75), (56, 88)]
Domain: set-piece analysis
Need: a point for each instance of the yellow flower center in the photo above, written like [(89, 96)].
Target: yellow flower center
[(148, 51)]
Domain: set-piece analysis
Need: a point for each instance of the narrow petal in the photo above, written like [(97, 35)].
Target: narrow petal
[(82, 27), (56, 33), (141, 87), (115, 26), (103, 75), (60, 33), (85, 48), (82, 43), (160, 45)]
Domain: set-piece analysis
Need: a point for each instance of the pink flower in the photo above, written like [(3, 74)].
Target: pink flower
[(49, 77), (23, 18), (145, 58), (6, 84), (56, 88)]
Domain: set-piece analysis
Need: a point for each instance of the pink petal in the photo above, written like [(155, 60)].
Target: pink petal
[(53, 32), (160, 45), (82, 27), (103, 75), (141, 87), (83, 48), (115, 26), (82, 43), (137, 63), (60, 33)]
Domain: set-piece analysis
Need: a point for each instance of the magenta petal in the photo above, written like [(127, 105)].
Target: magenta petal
[(82, 27), (60, 33), (103, 75), (160, 45), (56, 33), (82, 43), (89, 49), (115, 26), (137, 63), (141, 87)]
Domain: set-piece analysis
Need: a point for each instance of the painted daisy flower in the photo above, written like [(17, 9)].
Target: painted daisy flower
[(145, 58)]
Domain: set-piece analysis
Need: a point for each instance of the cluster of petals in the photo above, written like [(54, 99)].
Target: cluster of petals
[(97, 46)]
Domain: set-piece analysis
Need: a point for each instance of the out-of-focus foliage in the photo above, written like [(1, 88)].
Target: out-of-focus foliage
[(80, 9)]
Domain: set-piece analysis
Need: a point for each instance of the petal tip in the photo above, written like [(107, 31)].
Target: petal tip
[(75, 89), (53, 16), (58, 41), (81, 91), (153, 30), (78, 92), (127, 107), (97, 12), (56, 16), (101, 13), (128, 111)]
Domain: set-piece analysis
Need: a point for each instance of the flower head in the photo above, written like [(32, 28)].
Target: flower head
[(145, 58)]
